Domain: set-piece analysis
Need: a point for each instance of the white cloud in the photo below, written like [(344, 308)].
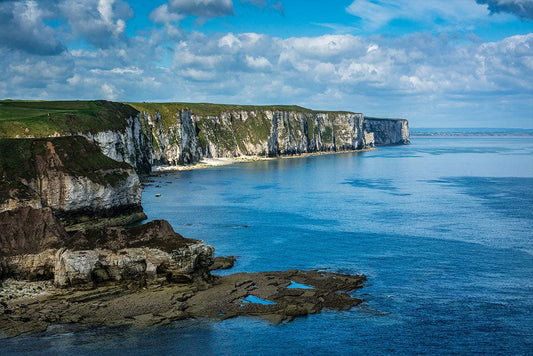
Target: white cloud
[(162, 15), (377, 13), (120, 71), (100, 22), (109, 92), (22, 27), (229, 40), (258, 63), (372, 47)]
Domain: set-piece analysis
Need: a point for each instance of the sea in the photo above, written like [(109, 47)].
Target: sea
[(442, 228)]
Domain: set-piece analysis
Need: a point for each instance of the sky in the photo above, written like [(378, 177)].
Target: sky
[(437, 63)]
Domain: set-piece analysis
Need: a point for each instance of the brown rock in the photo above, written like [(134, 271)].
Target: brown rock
[(29, 231), (222, 262)]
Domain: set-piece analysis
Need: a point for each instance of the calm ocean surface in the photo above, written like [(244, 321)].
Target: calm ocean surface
[(442, 228)]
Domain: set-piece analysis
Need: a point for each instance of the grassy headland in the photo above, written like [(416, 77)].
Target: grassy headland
[(21, 118)]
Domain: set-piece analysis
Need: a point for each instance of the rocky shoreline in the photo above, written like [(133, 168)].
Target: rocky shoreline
[(274, 296), (140, 276)]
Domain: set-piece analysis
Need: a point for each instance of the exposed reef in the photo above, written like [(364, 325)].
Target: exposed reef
[(268, 295)]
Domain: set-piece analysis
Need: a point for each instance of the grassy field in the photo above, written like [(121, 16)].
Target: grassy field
[(207, 109), (44, 118)]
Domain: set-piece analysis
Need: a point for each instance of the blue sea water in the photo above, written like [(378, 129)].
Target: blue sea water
[(442, 228)]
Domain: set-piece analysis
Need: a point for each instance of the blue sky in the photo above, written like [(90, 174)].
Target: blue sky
[(437, 63)]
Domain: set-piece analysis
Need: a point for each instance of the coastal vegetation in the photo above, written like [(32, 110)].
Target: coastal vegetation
[(25, 118), (75, 155)]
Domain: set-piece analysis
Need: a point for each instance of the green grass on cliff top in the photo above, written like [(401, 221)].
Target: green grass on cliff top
[(209, 109), (168, 110), (20, 118), (21, 159)]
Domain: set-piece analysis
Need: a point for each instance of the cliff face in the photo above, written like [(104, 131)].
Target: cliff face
[(181, 135), (69, 175), (128, 145), (388, 131), (177, 144)]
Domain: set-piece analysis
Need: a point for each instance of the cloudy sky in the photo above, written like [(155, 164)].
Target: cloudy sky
[(438, 63)]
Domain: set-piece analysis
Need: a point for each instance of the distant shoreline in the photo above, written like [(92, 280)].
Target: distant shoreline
[(225, 161), (470, 132)]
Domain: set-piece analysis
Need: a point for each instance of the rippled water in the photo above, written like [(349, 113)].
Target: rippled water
[(441, 228)]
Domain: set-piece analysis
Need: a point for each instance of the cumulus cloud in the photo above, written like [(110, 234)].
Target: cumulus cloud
[(257, 63), (22, 27), (99, 22), (521, 8), (202, 8), (162, 15), (369, 74), (419, 64)]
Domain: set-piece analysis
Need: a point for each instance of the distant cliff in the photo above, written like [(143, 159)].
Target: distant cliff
[(388, 131), (186, 133)]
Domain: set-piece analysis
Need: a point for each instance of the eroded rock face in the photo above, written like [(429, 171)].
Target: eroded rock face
[(129, 145), (150, 251), (71, 176), (388, 131), (29, 231), (101, 265), (190, 137), (177, 144)]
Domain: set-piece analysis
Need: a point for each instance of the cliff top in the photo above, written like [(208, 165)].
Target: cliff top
[(210, 109), (384, 118), (168, 110), (28, 118), (22, 118)]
